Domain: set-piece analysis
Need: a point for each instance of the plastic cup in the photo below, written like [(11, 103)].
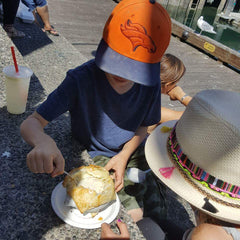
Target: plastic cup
[(17, 85)]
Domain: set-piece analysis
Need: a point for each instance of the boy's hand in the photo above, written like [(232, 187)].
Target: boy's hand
[(46, 158), (107, 233), (176, 93), (118, 165)]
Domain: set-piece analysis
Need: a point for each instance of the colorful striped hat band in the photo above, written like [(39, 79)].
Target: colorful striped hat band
[(194, 172), (198, 156)]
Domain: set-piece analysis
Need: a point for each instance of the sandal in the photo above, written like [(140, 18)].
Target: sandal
[(12, 32), (51, 31)]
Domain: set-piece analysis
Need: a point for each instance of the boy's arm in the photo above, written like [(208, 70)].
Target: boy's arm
[(130, 146), (177, 93), (45, 157), (118, 163), (169, 114), (166, 115)]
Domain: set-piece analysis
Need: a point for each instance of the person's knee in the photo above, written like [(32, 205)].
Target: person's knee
[(150, 229), (209, 231), (136, 214)]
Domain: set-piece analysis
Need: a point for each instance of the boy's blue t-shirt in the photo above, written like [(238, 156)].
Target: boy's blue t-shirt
[(101, 119)]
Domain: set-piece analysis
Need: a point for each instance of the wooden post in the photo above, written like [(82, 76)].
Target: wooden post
[(201, 4), (221, 6), (229, 7)]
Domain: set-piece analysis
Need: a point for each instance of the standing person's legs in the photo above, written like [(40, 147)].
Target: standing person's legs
[(10, 8), (41, 8), (44, 14)]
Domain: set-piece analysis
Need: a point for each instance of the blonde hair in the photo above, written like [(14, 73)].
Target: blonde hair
[(172, 68)]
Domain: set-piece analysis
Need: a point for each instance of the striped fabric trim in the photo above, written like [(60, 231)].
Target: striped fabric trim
[(198, 173)]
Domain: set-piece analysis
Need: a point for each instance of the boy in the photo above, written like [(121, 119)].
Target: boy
[(111, 99)]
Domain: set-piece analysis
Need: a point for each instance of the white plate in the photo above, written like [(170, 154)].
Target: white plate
[(73, 216)]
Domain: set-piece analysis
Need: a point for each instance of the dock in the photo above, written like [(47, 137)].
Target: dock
[(233, 19), (211, 47)]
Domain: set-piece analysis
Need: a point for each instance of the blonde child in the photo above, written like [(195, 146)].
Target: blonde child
[(172, 70)]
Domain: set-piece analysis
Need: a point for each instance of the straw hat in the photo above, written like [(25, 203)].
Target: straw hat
[(135, 37), (199, 158)]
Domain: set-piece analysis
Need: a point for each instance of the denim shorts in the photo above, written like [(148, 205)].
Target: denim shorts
[(32, 4)]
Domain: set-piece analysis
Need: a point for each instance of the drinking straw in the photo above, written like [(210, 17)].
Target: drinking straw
[(14, 59)]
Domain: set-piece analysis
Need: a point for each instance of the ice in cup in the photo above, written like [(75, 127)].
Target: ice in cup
[(17, 85)]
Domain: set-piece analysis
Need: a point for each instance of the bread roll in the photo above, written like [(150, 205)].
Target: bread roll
[(89, 187)]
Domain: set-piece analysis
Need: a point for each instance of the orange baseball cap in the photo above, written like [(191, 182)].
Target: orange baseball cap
[(135, 37)]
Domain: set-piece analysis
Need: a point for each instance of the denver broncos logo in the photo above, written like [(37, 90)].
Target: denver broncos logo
[(138, 36)]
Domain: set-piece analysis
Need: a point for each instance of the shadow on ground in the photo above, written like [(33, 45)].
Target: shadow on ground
[(26, 211), (35, 38)]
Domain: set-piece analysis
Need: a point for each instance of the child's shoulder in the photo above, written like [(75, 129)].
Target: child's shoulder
[(85, 70), (84, 75), (89, 65)]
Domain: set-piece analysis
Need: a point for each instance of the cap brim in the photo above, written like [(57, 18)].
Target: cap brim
[(112, 62), (158, 158)]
